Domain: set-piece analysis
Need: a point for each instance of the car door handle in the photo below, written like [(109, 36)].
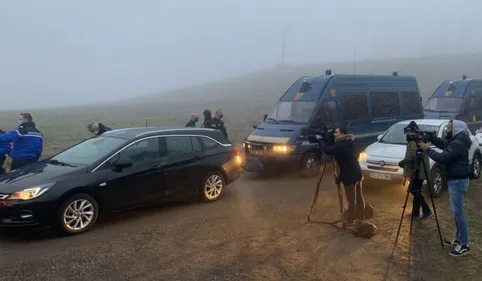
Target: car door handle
[(196, 158), (156, 166)]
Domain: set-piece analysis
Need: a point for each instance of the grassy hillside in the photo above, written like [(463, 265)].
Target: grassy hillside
[(244, 99)]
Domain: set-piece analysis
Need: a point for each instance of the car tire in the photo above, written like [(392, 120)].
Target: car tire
[(76, 215), (212, 186), (438, 182), (310, 164), (476, 165)]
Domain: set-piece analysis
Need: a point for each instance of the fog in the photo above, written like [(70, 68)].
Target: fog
[(57, 52)]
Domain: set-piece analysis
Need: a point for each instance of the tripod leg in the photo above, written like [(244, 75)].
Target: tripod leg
[(401, 218), (433, 203), (317, 191), (411, 222)]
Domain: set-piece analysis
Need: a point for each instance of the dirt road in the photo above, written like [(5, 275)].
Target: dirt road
[(258, 231)]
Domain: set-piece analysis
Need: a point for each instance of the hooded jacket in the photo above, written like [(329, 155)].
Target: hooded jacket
[(208, 119), (27, 142), (455, 155), (4, 147), (344, 151)]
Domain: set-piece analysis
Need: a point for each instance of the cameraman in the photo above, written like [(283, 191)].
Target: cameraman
[(344, 151), (416, 177), (455, 161)]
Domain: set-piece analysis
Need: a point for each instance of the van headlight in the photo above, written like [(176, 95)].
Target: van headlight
[(30, 193), (284, 148), (362, 157)]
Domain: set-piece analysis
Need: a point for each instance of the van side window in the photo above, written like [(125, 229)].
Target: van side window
[(354, 106), (411, 104), (326, 113), (385, 104), (478, 95)]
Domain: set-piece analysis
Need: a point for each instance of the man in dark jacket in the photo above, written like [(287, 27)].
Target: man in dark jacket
[(208, 119), (27, 142), (193, 121), (348, 171), (416, 177), (455, 161), (98, 128), (218, 123), (4, 150)]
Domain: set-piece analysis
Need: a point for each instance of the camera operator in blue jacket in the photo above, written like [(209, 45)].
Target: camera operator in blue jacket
[(27, 142), (4, 150)]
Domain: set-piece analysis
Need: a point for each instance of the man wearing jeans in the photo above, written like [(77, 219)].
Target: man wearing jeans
[(455, 161)]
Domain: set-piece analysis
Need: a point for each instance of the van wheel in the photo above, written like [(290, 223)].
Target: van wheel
[(438, 182), (77, 214), (310, 165), (475, 171)]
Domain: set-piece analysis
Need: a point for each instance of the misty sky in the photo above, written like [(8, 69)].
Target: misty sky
[(57, 52)]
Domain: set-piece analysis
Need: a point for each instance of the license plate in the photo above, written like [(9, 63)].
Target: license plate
[(258, 152), (380, 176)]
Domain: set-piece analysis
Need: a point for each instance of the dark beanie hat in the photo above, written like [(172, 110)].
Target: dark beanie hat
[(412, 126)]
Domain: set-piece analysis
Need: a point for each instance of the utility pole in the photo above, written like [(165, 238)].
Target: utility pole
[(283, 47)]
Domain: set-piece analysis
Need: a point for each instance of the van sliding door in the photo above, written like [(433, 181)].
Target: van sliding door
[(354, 112), (385, 110)]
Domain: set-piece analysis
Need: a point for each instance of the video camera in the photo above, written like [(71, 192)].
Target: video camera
[(418, 136), (327, 134)]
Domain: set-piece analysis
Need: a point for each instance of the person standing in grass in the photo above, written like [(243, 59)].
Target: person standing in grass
[(97, 128), (27, 142), (4, 150)]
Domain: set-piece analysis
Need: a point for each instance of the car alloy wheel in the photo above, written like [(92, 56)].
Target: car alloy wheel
[(77, 214), (476, 167), (213, 186), (438, 182)]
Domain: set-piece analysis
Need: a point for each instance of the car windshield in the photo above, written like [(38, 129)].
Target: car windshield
[(395, 135), (297, 112), (89, 151), (444, 104)]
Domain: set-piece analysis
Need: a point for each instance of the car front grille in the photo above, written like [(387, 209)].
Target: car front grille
[(381, 165)]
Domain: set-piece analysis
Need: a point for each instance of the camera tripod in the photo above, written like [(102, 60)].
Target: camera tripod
[(415, 172), (321, 173)]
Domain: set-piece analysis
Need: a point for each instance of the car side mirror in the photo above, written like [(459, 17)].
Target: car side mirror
[(119, 165), (255, 126), (379, 137)]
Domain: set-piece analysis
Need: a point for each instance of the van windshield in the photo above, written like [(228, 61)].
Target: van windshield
[(395, 135), (451, 89), (443, 104), (297, 112)]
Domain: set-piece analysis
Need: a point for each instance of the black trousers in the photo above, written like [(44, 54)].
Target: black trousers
[(2, 161), (17, 163), (418, 199), (356, 202)]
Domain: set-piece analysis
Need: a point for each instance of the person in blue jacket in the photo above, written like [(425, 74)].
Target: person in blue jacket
[(4, 150), (27, 142)]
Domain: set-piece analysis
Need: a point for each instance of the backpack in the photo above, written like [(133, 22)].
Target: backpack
[(364, 229)]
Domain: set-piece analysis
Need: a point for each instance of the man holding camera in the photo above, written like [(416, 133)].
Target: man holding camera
[(349, 171), (416, 176), (455, 161)]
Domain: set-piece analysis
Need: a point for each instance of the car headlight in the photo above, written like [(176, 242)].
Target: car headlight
[(362, 157), (284, 148), (31, 193)]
